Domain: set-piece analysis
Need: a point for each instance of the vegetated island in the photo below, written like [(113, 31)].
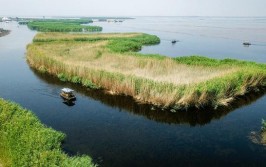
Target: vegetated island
[(3, 32), (24, 141), (110, 61), (62, 25), (260, 136)]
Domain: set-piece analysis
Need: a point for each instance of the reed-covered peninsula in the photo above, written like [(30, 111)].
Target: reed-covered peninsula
[(110, 62), (25, 141)]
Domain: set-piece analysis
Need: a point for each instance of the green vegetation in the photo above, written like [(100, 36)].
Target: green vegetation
[(24, 141), (263, 127), (62, 25), (109, 61), (3, 32), (263, 134)]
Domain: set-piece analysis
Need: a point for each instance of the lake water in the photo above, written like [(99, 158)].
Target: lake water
[(118, 132), (208, 36)]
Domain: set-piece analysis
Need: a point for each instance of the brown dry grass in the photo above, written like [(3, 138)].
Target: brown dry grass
[(66, 36), (95, 56)]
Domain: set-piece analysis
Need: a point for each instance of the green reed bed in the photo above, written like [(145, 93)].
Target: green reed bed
[(25, 141), (110, 61), (62, 26), (4, 32)]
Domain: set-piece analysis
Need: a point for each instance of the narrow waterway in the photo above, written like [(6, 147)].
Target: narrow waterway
[(118, 132)]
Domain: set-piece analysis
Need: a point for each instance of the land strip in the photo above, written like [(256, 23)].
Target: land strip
[(110, 61)]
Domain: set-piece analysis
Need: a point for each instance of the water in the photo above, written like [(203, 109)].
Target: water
[(213, 37), (116, 131)]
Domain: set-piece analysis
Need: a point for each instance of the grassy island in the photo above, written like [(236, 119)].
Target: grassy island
[(3, 32), (110, 61), (62, 25), (24, 141)]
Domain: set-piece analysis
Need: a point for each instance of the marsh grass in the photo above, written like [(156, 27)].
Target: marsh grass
[(62, 26), (4, 32), (24, 141), (263, 133), (110, 61)]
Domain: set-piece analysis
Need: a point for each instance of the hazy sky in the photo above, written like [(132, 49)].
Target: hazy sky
[(133, 7)]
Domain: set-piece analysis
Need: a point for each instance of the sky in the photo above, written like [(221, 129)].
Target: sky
[(132, 7)]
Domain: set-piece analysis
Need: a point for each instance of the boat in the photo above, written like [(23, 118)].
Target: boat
[(246, 43), (174, 41), (68, 94)]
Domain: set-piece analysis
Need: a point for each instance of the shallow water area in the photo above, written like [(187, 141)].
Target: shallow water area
[(117, 131)]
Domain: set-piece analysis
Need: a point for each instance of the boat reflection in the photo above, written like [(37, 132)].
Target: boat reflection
[(69, 103)]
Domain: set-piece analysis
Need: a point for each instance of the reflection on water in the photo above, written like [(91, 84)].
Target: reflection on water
[(192, 117), (69, 103)]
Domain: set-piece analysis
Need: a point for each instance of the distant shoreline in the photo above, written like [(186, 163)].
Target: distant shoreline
[(4, 32)]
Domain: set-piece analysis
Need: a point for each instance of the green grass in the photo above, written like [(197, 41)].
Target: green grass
[(263, 132), (132, 44), (26, 142), (4, 32), (51, 25), (263, 126), (110, 61)]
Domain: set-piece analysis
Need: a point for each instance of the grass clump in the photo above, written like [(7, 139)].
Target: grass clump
[(110, 61), (263, 127), (133, 44), (260, 138), (263, 134), (24, 141), (4, 32)]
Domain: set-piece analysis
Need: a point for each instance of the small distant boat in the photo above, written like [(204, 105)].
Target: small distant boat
[(68, 94), (246, 43), (174, 41)]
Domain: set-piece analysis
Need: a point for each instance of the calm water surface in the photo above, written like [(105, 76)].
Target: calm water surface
[(213, 37), (116, 131)]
